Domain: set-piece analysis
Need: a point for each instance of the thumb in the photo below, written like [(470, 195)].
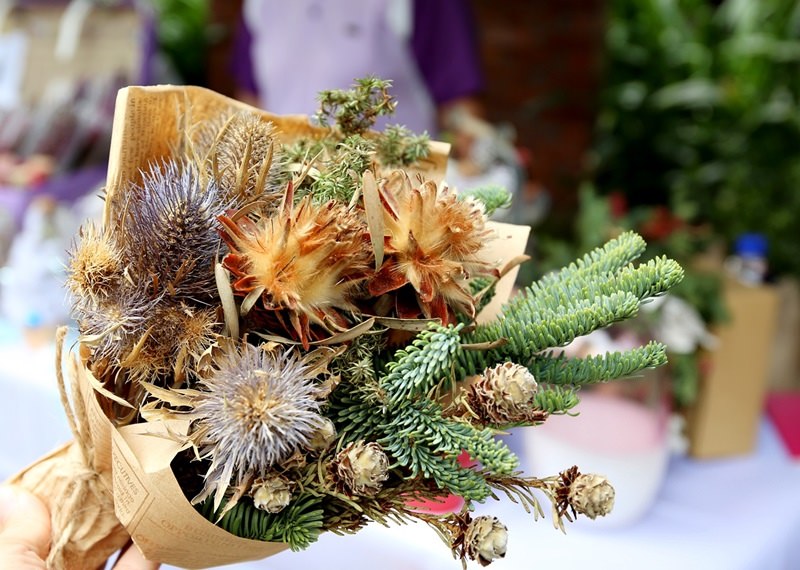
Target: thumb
[(24, 522)]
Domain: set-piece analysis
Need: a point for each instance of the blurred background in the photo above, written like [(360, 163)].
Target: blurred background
[(679, 119)]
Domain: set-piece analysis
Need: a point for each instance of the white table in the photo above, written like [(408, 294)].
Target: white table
[(733, 514)]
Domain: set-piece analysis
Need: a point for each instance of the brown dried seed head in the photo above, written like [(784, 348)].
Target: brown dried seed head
[(95, 266), (591, 495), (271, 494), (243, 160), (486, 539), (505, 395), (362, 468)]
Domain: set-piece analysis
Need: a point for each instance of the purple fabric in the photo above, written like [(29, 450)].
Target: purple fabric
[(445, 47), (242, 59), (443, 42), (67, 188)]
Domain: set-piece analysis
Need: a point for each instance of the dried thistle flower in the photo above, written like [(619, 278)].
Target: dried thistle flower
[(170, 230), (591, 495), (485, 539), (112, 328), (175, 337), (255, 411), (361, 468), (431, 243), (242, 160), (504, 395), (95, 267), (271, 494), (305, 262)]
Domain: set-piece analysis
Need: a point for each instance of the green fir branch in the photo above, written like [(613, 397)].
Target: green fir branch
[(421, 366), (527, 332), (417, 433), (444, 471), (610, 258), (647, 280), (356, 415), (298, 525), (560, 370), (556, 399), (492, 197), (397, 146), (599, 289)]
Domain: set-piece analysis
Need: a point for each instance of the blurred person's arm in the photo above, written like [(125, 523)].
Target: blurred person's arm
[(445, 46), (242, 66)]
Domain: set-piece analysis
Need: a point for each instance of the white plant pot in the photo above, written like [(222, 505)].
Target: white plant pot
[(619, 438)]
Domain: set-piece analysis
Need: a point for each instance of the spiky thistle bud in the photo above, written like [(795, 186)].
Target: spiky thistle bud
[(255, 411), (242, 160), (95, 267), (486, 539), (271, 494), (361, 468), (504, 395), (112, 328), (169, 230), (175, 336), (591, 495)]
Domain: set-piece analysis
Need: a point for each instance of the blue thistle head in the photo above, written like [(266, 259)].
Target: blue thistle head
[(170, 230), (255, 411)]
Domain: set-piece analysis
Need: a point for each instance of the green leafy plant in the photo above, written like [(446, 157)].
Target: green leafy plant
[(701, 111), (597, 221)]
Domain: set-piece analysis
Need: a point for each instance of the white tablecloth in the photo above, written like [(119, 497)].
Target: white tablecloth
[(741, 513)]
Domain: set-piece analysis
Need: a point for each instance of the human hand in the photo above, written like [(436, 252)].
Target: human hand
[(24, 530), (25, 535)]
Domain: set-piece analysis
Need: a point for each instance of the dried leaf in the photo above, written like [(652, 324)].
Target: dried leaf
[(374, 212), (338, 338), (225, 290), (250, 300), (174, 397), (514, 262), (415, 325), (97, 386)]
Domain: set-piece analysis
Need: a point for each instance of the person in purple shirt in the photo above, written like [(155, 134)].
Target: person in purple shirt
[(287, 52)]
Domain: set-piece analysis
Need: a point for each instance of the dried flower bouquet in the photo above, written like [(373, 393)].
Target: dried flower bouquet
[(299, 311)]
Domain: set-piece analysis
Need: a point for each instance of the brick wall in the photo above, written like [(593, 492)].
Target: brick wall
[(542, 60)]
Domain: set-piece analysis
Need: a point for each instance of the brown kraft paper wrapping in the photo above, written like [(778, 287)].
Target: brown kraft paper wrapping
[(112, 484)]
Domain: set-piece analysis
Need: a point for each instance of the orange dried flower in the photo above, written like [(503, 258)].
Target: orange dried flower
[(304, 263), (431, 243)]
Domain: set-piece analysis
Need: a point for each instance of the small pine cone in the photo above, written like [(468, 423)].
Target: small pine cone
[(361, 468), (591, 495), (486, 539), (504, 394), (272, 494), (323, 437)]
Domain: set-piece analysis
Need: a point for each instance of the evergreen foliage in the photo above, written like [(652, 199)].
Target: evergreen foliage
[(492, 197), (592, 369), (298, 525), (422, 365)]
